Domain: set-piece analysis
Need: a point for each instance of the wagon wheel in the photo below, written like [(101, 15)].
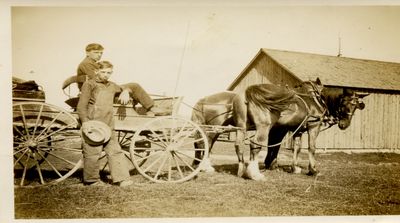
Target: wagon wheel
[(47, 144), (124, 140), (167, 145)]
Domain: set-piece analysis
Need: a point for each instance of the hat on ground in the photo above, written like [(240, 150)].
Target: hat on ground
[(95, 132)]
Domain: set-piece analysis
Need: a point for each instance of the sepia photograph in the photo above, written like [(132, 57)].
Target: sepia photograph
[(200, 111)]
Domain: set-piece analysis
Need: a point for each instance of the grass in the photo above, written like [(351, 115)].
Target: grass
[(349, 184)]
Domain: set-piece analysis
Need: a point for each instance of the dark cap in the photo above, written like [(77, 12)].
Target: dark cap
[(94, 46)]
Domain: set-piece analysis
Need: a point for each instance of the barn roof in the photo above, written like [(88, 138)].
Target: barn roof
[(337, 71)]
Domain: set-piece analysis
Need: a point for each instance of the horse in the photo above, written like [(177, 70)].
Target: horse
[(276, 110), (221, 109)]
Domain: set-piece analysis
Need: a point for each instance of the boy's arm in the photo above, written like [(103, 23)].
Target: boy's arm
[(82, 107), (124, 97), (88, 69)]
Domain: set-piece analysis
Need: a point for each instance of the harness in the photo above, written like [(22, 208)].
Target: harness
[(317, 98)]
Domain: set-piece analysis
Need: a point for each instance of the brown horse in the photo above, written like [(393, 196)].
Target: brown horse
[(221, 109), (276, 110)]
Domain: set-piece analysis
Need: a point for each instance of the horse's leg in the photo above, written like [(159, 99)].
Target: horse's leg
[(252, 170), (198, 154), (276, 136), (206, 164), (239, 148), (313, 132), (240, 120), (296, 151), (261, 138)]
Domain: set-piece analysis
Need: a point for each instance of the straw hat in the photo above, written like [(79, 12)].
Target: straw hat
[(95, 132)]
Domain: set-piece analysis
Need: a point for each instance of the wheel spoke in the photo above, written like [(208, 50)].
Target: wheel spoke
[(188, 156), (169, 168), (19, 150), (144, 158), (25, 168), (20, 157), (177, 165), (163, 132), (49, 148), (19, 132), (60, 140), (192, 141), (61, 158), (54, 132), (187, 135), (51, 165), (191, 149), (155, 143), (119, 137), (24, 121), (38, 168), (158, 137), (37, 120), (180, 130), (186, 163), (50, 124), (152, 164), (161, 166)]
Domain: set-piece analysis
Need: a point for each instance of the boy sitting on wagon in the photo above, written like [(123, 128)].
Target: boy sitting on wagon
[(86, 71)]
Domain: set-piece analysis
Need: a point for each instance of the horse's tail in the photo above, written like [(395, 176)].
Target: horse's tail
[(239, 109), (197, 113), (268, 96)]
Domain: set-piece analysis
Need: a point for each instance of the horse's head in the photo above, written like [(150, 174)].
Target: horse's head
[(349, 102)]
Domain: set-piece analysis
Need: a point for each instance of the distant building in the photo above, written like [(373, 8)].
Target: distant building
[(375, 127)]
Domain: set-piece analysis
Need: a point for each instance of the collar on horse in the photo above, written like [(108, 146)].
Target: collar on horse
[(316, 94)]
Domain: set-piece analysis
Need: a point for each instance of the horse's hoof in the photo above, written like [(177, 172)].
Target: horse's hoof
[(209, 170), (296, 170), (273, 165), (253, 172), (206, 166), (241, 170), (259, 177), (312, 172)]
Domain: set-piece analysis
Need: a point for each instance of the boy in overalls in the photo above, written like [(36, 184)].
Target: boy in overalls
[(96, 103)]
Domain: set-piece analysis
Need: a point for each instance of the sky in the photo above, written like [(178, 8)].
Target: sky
[(190, 50), (181, 48)]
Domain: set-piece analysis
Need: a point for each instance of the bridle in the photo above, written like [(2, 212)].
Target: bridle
[(354, 101)]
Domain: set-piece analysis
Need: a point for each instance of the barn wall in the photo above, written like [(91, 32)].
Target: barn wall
[(375, 127), (265, 70)]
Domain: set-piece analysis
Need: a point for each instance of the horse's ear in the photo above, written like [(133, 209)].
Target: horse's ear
[(318, 81), (349, 92), (361, 94)]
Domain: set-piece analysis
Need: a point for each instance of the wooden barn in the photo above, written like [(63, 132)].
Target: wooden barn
[(375, 127)]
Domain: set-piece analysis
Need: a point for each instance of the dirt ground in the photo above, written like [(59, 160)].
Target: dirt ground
[(347, 184)]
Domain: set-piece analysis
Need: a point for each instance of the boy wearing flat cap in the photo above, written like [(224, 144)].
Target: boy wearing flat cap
[(88, 66), (96, 103), (86, 71)]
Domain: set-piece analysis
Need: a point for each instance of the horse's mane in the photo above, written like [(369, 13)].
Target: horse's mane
[(332, 97), (272, 97)]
